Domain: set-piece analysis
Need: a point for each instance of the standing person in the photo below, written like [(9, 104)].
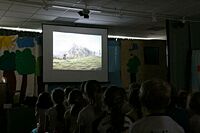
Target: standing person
[(43, 103), (155, 97), (56, 113), (93, 110)]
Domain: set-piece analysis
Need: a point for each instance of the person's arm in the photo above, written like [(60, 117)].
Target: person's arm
[(67, 124), (80, 122)]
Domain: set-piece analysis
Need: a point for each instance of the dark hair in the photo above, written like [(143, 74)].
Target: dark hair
[(44, 101), (110, 95), (74, 96), (82, 86), (134, 100), (194, 103), (133, 96), (155, 94), (91, 87), (58, 98), (114, 98), (182, 98), (67, 90)]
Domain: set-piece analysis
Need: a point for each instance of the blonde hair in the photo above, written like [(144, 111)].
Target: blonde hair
[(155, 94)]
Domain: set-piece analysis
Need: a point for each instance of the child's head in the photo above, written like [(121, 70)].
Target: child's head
[(194, 103), (155, 95), (44, 101), (58, 96), (82, 86), (92, 87), (114, 98), (182, 98), (75, 97), (67, 90)]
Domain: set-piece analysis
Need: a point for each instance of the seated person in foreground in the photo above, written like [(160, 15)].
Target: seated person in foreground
[(92, 111), (136, 112), (115, 120), (194, 105), (56, 113), (155, 97), (43, 103), (75, 100)]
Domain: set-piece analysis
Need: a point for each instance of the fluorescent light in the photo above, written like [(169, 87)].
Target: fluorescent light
[(75, 9), (96, 11), (21, 29), (109, 36), (135, 38), (67, 8)]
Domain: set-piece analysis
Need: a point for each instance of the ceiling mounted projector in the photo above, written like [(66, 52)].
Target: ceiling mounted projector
[(84, 13)]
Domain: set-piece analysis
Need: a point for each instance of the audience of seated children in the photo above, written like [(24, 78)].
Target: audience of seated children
[(93, 110), (153, 110), (76, 102), (43, 103), (56, 113), (194, 105), (155, 97), (136, 112), (115, 120)]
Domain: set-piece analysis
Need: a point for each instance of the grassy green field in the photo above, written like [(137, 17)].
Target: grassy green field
[(84, 63)]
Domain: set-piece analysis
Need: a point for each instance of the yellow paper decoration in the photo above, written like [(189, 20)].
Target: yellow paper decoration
[(7, 42)]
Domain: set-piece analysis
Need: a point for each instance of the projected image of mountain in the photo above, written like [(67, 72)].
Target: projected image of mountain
[(77, 58)]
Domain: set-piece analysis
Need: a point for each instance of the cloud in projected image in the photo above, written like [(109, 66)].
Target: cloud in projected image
[(63, 42)]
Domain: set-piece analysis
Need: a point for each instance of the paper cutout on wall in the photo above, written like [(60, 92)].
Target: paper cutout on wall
[(11, 84), (133, 64), (134, 46), (7, 61), (7, 64), (24, 42), (7, 42), (25, 62)]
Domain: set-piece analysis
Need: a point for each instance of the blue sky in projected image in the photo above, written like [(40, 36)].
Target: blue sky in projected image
[(62, 42)]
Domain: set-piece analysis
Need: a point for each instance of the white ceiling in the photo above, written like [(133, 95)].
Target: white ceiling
[(140, 18)]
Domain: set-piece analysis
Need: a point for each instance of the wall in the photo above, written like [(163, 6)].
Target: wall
[(145, 71), (118, 56), (20, 54)]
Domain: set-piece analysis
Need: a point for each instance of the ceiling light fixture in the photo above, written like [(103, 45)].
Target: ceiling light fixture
[(74, 8), (136, 38), (67, 8)]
